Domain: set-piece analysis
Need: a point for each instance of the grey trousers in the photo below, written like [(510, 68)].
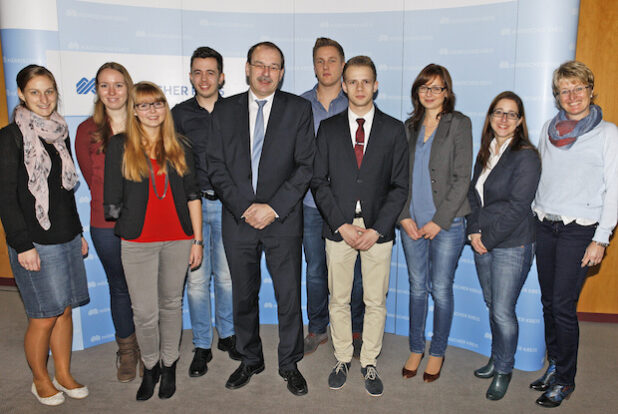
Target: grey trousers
[(155, 274)]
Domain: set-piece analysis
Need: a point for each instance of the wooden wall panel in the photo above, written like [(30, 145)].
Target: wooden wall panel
[(5, 268), (597, 47)]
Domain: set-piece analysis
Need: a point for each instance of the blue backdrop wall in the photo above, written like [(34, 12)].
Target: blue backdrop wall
[(487, 45)]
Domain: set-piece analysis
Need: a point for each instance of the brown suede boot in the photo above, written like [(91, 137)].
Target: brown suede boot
[(127, 358)]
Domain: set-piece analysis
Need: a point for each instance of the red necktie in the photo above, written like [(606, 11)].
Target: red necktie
[(360, 141)]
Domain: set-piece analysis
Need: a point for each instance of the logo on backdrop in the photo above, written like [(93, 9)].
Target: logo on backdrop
[(85, 86)]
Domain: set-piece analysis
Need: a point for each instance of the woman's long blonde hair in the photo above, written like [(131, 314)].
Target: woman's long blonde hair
[(168, 149)]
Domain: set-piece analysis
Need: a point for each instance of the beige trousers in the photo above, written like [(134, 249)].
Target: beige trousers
[(375, 269)]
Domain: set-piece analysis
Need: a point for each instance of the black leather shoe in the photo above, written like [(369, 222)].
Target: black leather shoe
[(167, 388), (229, 345), (242, 375), (296, 382), (486, 371), (199, 365), (547, 380), (498, 386), (149, 380), (554, 396)]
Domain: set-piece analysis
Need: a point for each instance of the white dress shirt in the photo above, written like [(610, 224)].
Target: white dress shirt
[(491, 163), (368, 117)]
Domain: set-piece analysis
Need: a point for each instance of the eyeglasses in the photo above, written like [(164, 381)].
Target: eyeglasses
[(577, 91), (262, 67), (145, 106), (434, 89), (511, 116)]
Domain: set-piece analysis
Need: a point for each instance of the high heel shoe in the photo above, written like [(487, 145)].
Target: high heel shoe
[(75, 393), (547, 380), (56, 399), (409, 373), (432, 377)]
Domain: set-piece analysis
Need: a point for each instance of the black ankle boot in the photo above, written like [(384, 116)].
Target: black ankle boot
[(168, 381), (486, 371), (149, 380)]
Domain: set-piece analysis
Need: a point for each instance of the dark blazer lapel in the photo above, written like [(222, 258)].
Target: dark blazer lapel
[(243, 119), (346, 136), (276, 113), (374, 134), (438, 139)]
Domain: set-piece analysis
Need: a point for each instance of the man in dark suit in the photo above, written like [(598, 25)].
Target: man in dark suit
[(260, 162), (360, 185)]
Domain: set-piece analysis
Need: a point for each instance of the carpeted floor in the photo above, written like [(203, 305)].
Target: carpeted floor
[(457, 390)]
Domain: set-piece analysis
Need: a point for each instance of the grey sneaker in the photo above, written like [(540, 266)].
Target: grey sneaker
[(312, 341), (357, 343), (373, 383), (337, 377)]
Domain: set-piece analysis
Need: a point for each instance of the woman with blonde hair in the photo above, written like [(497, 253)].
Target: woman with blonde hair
[(43, 231), (150, 189), (576, 206), (113, 84)]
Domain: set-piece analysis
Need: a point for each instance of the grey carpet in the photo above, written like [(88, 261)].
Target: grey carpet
[(457, 391)]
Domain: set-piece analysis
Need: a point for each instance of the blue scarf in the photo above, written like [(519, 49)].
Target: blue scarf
[(563, 132)]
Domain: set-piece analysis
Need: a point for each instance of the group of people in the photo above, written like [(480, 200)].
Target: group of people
[(199, 192)]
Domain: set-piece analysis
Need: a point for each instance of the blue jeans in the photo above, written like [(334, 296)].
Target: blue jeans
[(560, 249), (107, 246), (431, 269), (502, 273), (214, 265), (317, 277)]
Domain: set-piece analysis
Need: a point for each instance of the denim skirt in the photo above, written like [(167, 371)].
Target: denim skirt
[(61, 282)]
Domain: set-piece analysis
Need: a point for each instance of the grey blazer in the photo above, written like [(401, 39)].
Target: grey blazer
[(450, 165)]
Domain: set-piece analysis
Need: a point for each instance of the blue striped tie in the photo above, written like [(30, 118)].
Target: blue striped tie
[(258, 142)]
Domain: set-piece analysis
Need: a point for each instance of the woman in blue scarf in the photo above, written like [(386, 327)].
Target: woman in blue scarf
[(576, 206)]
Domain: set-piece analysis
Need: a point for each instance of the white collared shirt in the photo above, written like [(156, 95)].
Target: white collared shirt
[(491, 163), (368, 117), (253, 110)]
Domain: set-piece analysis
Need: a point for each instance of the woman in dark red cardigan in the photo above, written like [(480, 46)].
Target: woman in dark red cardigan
[(113, 83)]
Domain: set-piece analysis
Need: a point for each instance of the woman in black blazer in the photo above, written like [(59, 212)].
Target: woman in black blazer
[(501, 227), (150, 189)]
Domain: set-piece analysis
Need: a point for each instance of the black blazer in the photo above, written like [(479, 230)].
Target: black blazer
[(286, 163), (126, 201), (450, 164), (381, 183), (506, 218)]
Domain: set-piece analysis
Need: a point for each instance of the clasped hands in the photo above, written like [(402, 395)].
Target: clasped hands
[(259, 215), (357, 237), (428, 231)]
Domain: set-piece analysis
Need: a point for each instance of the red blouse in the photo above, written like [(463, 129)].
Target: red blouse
[(161, 222)]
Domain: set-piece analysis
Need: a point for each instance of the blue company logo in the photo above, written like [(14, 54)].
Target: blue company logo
[(85, 86)]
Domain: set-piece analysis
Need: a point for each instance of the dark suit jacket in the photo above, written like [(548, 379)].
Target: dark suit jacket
[(286, 163), (381, 183), (126, 201), (450, 164), (506, 218)]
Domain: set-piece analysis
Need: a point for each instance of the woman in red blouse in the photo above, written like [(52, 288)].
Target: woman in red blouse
[(150, 189), (113, 84)]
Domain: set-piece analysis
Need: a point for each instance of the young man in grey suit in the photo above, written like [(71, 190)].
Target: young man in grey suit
[(260, 162), (360, 184)]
